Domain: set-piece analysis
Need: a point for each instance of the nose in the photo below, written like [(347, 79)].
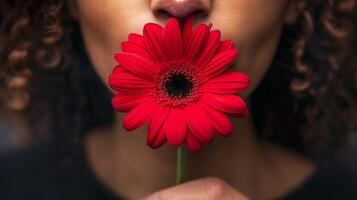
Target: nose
[(180, 8)]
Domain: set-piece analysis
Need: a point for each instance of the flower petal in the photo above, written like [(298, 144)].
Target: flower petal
[(225, 45), (191, 142), (137, 39), (228, 83), (131, 47), (156, 133), (199, 123), (123, 81), (124, 102), (187, 30), (197, 40), (210, 49), (230, 104), (137, 65), (117, 69), (140, 114), (172, 41), (175, 127), (219, 63), (220, 121), (160, 139), (153, 41)]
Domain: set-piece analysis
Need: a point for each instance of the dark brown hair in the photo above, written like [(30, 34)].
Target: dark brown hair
[(306, 101)]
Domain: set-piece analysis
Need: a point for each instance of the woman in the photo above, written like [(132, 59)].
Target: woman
[(55, 60)]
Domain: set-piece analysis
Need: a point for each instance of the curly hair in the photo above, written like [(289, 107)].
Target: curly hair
[(306, 102)]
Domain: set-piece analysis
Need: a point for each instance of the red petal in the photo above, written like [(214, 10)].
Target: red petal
[(137, 39), (139, 115), (137, 65), (228, 83), (175, 127), (124, 103), (160, 139), (199, 123), (119, 69), (172, 41), (225, 45), (135, 48), (156, 137), (187, 30), (191, 142), (210, 49), (196, 42), (153, 41), (231, 104), (126, 82), (219, 63), (220, 121)]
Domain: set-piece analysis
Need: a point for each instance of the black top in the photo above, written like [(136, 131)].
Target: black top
[(42, 172)]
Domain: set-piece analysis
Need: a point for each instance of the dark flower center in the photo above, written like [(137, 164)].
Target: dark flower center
[(178, 85)]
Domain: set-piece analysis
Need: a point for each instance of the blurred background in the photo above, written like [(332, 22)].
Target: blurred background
[(13, 134)]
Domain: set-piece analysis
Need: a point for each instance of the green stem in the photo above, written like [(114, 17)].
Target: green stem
[(181, 165)]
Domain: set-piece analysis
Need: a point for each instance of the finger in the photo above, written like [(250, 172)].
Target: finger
[(202, 189)]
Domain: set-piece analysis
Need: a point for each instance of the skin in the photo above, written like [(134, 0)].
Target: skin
[(240, 167)]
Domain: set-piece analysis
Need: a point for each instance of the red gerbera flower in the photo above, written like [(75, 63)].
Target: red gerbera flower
[(176, 81)]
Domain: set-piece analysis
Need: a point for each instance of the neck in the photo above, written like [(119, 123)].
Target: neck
[(120, 159)]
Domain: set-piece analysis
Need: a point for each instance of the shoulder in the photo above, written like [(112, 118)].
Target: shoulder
[(336, 178)]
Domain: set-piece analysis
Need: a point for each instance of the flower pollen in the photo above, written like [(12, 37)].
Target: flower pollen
[(178, 86)]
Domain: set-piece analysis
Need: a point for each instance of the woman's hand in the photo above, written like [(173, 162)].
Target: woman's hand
[(201, 189)]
